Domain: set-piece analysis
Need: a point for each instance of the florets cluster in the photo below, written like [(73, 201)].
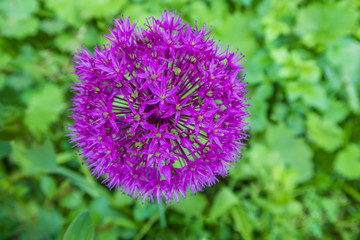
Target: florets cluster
[(159, 110)]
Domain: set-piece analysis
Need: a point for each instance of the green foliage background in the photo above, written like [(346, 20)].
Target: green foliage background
[(298, 179)]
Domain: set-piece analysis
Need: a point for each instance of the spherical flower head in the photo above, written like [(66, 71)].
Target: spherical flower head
[(159, 110)]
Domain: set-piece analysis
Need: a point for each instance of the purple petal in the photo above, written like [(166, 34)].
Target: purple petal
[(217, 141), (154, 144), (153, 101), (190, 121), (133, 127), (169, 135), (166, 171), (162, 105), (169, 113), (197, 130), (148, 126), (163, 127), (177, 117), (186, 143)]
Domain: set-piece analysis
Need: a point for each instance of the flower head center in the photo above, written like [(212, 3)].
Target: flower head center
[(157, 154), (153, 76), (178, 107), (206, 149), (200, 118), (162, 96), (177, 71), (137, 117), (158, 135)]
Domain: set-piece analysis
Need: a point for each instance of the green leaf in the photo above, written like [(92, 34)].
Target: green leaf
[(224, 200), (67, 42), (313, 95), (52, 26), (49, 222), (66, 10), (337, 58), (18, 9), (291, 151), (353, 97), (316, 26), (347, 162), (100, 8), (48, 186), (144, 211), (191, 205), (21, 28), (121, 200), (324, 132), (18, 21), (44, 108), (242, 222), (5, 148), (336, 111), (331, 208), (230, 34), (11, 112), (81, 228), (340, 71), (72, 200), (258, 112), (89, 187), (34, 160)]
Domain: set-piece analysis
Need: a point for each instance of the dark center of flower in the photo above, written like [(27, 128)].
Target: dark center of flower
[(178, 107), (135, 94), (200, 118), (138, 145), (177, 71), (137, 117), (192, 137)]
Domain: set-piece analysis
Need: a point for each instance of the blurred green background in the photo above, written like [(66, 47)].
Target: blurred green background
[(298, 179)]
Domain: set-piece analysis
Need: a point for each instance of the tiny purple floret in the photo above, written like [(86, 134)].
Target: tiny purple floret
[(159, 110)]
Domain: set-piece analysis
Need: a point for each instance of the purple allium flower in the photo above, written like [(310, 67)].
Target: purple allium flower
[(159, 110)]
